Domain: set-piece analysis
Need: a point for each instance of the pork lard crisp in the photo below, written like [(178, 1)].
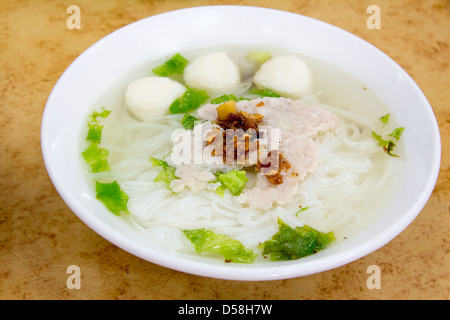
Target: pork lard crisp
[(298, 124)]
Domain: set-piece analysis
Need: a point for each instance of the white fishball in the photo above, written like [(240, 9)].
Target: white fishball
[(215, 73), (150, 97), (288, 76)]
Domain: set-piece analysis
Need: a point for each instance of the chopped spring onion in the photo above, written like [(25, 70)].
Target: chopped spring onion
[(385, 118), (397, 133), (387, 145)]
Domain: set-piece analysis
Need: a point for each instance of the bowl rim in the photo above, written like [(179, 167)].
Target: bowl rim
[(239, 272)]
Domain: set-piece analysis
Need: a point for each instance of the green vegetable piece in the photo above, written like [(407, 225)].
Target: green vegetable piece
[(301, 210), (95, 132), (385, 118), (225, 98), (293, 244), (96, 158), (158, 163), (257, 56), (189, 101), (209, 241), (233, 180), (220, 190), (397, 133), (114, 198), (94, 155), (189, 121), (387, 145), (167, 174), (95, 129), (174, 65), (96, 114), (265, 93)]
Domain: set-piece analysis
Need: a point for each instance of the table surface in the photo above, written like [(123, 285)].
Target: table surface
[(40, 236)]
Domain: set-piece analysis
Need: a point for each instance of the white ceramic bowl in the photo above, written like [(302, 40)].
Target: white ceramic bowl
[(113, 56)]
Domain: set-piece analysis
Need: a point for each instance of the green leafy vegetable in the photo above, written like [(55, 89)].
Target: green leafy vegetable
[(233, 180), (258, 56), (188, 121), (94, 155), (95, 129), (174, 65), (225, 98), (292, 244), (114, 198), (167, 173), (387, 145), (96, 158), (209, 241), (397, 133), (189, 101), (94, 133), (385, 118), (158, 163), (220, 190), (96, 114), (264, 93)]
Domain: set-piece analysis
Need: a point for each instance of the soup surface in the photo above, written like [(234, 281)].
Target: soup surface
[(337, 175)]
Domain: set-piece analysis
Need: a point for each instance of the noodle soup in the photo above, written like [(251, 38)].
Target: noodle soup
[(342, 193)]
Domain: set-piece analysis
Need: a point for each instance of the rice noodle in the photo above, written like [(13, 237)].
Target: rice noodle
[(353, 182), (351, 178)]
